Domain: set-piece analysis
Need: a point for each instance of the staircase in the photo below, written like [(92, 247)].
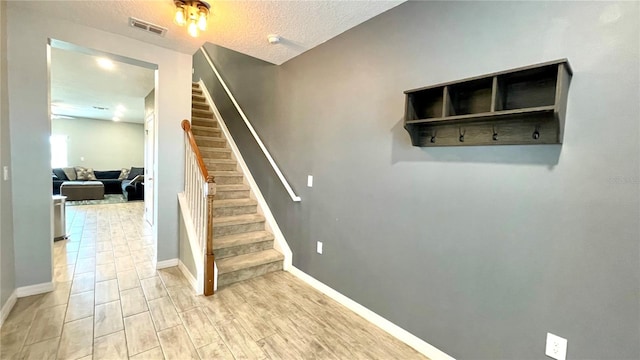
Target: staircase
[(242, 247)]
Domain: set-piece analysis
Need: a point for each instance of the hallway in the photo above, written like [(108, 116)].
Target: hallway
[(111, 303)]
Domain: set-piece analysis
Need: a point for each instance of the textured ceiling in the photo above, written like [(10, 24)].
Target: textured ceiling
[(242, 26), (81, 88)]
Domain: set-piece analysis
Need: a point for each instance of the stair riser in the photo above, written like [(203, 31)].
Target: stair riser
[(228, 180), (217, 143), (243, 249), (215, 154), (213, 166), (237, 229), (234, 210), (199, 106), (198, 98), (196, 92), (204, 122), (225, 195), (244, 274), (207, 132), (201, 114)]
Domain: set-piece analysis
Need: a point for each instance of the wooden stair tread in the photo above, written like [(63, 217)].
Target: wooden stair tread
[(237, 220), (220, 161), (211, 148), (200, 127), (234, 202), (223, 242), (246, 261), (198, 118), (226, 173), (210, 137), (232, 187)]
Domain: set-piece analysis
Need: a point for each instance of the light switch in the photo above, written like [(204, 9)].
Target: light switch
[(310, 181), (5, 173)]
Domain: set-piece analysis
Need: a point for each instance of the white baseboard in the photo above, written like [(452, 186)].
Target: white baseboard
[(34, 289), (187, 274), (394, 330), (167, 263), (6, 308)]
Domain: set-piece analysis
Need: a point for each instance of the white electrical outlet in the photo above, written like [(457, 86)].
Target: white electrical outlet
[(310, 181), (319, 247), (556, 347), (5, 173)]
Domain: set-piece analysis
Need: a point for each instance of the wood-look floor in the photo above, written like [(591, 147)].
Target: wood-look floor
[(110, 303)]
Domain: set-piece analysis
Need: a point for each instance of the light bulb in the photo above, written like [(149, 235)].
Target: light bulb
[(193, 28), (105, 63), (202, 21), (180, 20)]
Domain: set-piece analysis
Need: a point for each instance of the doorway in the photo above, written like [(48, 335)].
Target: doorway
[(97, 103)]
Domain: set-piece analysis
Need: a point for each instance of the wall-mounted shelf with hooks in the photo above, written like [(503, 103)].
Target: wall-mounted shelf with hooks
[(519, 106)]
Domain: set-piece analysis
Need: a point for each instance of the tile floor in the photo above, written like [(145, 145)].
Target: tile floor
[(109, 302)]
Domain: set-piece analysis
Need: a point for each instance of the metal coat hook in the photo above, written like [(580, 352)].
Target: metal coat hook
[(495, 134), (461, 132), (536, 133)]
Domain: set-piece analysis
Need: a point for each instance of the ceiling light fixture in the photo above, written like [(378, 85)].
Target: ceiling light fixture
[(105, 63), (194, 14)]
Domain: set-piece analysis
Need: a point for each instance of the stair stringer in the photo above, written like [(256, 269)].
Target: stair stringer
[(279, 243)]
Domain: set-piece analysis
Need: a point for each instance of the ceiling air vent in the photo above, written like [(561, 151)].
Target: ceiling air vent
[(146, 26)]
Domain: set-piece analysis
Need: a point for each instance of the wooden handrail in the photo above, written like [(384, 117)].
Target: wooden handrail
[(253, 132), (186, 126)]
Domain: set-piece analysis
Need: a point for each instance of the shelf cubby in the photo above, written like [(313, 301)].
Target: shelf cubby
[(520, 106), (471, 97)]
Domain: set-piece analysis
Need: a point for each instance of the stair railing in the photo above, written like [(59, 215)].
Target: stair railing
[(200, 189), (266, 152)]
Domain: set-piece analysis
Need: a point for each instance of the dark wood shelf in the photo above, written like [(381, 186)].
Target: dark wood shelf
[(520, 106), (486, 115)]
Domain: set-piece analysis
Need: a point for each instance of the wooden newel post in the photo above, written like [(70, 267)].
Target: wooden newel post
[(209, 258)]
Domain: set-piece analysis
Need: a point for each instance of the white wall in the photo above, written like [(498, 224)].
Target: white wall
[(104, 145), (7, 270), (28, 34)]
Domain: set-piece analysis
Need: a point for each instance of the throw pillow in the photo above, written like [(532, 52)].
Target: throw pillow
[(135, 171), (60, 174), (91, 175), (70, 173), (124, 173), (85, 174)]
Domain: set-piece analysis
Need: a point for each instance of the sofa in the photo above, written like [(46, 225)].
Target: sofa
[(128, 182)]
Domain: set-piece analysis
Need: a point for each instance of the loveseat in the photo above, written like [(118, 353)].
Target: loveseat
[(127, 182)]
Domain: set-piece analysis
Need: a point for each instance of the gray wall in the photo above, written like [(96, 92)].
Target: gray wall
[(7, 270), (478, 250), (104, 145)]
